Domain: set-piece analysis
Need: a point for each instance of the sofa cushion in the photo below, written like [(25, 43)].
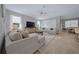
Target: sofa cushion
[(15, 36), (25, 34)]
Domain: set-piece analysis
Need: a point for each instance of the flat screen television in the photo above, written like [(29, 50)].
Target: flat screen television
[(30, 24)]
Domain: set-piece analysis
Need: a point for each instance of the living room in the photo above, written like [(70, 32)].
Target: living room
[(32, 29)]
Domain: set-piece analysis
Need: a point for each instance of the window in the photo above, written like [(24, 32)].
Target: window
[(71, 23), (15, 22), (38, 24)]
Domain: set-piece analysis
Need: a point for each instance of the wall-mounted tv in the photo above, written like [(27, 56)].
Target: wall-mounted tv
[(30, 24)]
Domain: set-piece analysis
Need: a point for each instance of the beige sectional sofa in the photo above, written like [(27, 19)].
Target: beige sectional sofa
[(16, 44)]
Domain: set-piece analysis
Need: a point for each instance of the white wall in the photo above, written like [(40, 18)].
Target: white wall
[(24, 18), (47, 24)]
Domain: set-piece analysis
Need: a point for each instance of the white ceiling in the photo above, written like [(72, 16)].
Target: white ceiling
[(52, 10)]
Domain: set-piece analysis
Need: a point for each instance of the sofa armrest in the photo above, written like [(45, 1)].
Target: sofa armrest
[(23, 46)]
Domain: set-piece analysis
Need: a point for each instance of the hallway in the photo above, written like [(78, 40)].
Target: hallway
[(63, 43)]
